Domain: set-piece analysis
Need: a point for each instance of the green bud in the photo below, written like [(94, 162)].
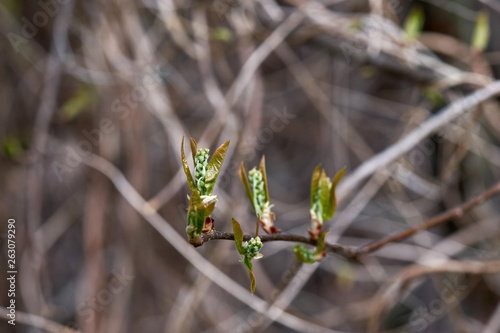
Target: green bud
[(257, 185), (201, 164), (252, 247), (303, 254)]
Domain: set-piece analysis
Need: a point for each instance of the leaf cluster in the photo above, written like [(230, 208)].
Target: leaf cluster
[(202, 202)]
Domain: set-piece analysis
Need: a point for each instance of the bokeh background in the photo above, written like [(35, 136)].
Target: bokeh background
[(301, 82)]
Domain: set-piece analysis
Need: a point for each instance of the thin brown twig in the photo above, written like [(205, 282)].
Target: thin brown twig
[(455, 212), (357, 253)]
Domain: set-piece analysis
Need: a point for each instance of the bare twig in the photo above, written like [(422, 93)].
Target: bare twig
[(455, 212)]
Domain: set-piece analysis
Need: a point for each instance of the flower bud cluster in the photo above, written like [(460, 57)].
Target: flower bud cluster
[(252, 247), (257, 183), (201, 164)]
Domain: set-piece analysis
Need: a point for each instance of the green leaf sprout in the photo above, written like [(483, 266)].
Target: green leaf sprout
[(323, 199), (202, 202), (309, 256), (481, 35), (201, 164), (257, 191), (248, 250)]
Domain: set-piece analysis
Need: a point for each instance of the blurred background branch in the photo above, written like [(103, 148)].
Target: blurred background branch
[(403, 93)]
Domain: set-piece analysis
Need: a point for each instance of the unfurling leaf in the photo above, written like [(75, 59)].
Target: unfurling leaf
[(309, 256), (324, 195), (323, 199), (214, 166), (194, 148), (414, 23), (244, 179), (82, 99), (199, 220), (262, 169), (221, 34), (238, 237), (248, 250), (315, 184), (201, 202), (304, 254), (333, 196), (185, 166), (196, 218), (248, 265), (481, 35), (258, 193)]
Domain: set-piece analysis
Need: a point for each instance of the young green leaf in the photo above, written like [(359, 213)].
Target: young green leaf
[(238, 240), (249, 266), (185, 166), (196, 213), (315, 184), (244, 179), (303, 254), (333, 198), (82, 99), (262, 168), (324, 195), (238, 237), (414, 22), (221, 34), (209, 208), (481, 35), (194, 148), (214, 166)]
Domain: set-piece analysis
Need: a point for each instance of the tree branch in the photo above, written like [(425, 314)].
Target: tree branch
[(330, 247), (455, 212), (357, 253)]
